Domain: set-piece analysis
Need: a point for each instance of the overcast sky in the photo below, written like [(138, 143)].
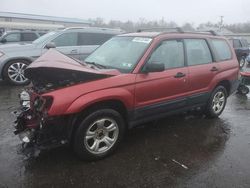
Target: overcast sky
[(179, 11)]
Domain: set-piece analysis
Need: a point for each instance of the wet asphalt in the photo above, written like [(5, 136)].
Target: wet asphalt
[(180, 151)]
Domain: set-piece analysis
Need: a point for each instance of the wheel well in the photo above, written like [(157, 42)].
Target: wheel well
[(113, 104), (226, 84), (22, 59)]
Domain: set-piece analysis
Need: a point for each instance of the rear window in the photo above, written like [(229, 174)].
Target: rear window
[(222, 49)]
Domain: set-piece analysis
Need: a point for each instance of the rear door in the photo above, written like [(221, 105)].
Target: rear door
[(28, 36), (201, 68), (162, 92)]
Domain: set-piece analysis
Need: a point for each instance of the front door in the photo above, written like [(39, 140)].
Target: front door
[(162, 92), (67, 43)]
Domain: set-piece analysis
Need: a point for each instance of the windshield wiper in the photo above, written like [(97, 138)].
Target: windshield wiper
[(96, 64)]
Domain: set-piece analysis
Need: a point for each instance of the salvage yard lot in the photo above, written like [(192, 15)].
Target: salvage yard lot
[(181, 151)]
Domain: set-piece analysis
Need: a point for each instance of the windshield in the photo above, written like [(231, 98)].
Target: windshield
[(120, 53), (44, 37)]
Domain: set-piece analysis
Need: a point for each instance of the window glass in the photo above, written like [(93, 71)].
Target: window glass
[(66, 39), (28, 36), (222, 49), (120, 53), (197, 52), (93, 38), (170, 53), (244, 43), (13, 37), (236, 43)]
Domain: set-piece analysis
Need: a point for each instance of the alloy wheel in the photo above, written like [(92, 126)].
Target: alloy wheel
[(101, 135), (218, 102), (16, 72)]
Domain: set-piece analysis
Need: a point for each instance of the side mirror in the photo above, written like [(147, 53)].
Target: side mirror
[(50, 45), (153, 67), (3, 40)]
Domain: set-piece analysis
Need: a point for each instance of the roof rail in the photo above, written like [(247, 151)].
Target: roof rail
[(178, 29), (88, 27), (212, 32)]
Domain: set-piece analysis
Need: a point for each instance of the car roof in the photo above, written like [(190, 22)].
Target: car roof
[(173, 34)]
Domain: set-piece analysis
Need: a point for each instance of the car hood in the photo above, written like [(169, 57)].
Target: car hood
[(54, 70), (16, 47)]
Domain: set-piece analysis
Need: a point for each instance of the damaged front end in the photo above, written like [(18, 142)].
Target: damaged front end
[(35, 128)]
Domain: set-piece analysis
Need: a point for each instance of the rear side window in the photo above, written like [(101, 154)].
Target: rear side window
[(28, 36), (236, 43), (197, 52), (222, 49), (170, 53), (93, 38)]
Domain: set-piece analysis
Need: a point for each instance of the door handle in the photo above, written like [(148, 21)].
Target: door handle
[(179, 75), (74, 51), (214, 69)]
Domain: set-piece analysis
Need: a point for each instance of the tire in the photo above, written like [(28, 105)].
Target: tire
[(216, 102), (243, 90), (99, 134), (13, 72), (242, 62)]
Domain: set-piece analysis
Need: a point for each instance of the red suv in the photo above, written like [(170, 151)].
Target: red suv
[(130, 79)]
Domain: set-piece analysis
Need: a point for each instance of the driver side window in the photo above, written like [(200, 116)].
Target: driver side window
[(170, 53)]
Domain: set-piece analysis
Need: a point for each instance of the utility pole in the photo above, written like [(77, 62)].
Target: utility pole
[(221, 22)]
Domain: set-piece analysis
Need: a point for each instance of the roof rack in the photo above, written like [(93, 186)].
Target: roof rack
[(178, 29), (212, 32)]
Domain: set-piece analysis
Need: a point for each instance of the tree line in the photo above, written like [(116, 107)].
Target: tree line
[(142, 23)]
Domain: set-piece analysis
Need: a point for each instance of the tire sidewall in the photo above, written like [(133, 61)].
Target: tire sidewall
[(5, 72), (79, 146), (210, 112)]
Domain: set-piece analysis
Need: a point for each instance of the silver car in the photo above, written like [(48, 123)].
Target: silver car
[(75, 42)]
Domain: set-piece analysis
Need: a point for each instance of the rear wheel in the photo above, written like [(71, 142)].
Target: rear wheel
[(242, 89), (14, 72), (217, 102), (242, 61), (99, 134)]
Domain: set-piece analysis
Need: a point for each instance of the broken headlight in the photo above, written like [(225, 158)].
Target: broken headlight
[(24, 99), (42, 103)]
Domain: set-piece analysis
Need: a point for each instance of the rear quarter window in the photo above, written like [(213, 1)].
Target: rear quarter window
[(222, 49)]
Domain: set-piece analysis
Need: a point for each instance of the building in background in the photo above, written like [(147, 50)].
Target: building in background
[(19, 21)]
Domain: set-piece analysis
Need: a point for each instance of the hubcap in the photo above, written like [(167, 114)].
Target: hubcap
[(16, 72), (101, 135), (218, 102), (242, 62)]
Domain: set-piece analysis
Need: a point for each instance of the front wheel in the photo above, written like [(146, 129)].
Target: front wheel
[(216, 102), (99, 134)]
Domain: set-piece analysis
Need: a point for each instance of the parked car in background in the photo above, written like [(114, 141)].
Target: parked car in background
[(75, 42), (131, 79), (241, 48), (20, 36)]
